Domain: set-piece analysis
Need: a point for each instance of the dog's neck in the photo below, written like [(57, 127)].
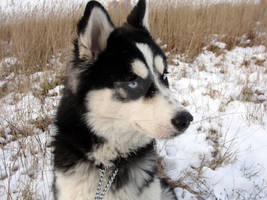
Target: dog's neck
[(116, 147), (139, 163)]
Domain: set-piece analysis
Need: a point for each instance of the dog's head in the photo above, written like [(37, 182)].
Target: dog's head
[(119, 75)]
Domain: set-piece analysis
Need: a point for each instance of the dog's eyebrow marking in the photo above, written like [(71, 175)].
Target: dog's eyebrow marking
[(147, 53), (159, 64), (140, 69)]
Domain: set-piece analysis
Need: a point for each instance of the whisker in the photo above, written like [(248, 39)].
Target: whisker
[(216, 117)]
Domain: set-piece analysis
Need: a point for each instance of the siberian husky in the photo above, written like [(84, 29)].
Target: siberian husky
[(116, 102)]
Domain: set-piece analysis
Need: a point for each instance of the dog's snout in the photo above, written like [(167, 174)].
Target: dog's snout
[(182, 120)]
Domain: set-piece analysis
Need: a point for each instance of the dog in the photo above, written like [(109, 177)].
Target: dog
[(116, 102)]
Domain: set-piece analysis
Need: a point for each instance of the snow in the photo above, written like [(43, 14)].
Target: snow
[(8, 61), (25, 149), (238, 125)]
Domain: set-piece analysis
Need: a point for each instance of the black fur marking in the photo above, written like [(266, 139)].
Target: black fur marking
[(165, 72), (152, 91)]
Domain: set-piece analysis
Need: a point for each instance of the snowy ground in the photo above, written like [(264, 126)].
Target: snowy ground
[(222, 155), (25, 134)]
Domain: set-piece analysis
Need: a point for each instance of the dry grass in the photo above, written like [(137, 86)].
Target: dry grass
[(185, 29), (34, 39)]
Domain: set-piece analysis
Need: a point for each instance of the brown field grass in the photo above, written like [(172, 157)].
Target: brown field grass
[(35, 40), (185, 29)]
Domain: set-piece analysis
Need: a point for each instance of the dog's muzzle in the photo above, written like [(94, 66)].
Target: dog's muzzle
[(182, 120)]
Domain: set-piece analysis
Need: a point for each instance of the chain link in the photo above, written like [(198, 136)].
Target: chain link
[(102, 191)]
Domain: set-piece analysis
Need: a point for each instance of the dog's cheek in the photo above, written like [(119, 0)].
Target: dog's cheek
[(153, 117), (106, 113)]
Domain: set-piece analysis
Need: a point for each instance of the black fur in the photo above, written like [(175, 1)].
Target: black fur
[(136, 17)]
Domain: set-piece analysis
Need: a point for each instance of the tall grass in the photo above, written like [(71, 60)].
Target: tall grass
[(33, 39), (187, 29), (36, 36)]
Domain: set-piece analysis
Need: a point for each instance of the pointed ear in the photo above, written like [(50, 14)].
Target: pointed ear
[(94, 29), (138, 18)]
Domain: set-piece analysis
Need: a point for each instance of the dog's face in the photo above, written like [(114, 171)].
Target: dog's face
[(119, 74)]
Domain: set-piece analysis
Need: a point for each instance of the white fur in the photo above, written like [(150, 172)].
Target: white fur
[(159, 64), (139, 68), (147, 53), (146, 17), (78, 183)]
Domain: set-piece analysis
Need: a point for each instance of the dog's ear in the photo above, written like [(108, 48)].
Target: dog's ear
[(94, 29), (138, 18)]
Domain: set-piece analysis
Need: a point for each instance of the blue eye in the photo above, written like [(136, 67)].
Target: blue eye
[(133, 84)]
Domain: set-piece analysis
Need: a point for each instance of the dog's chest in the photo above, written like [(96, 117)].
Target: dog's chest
[(135, 183)]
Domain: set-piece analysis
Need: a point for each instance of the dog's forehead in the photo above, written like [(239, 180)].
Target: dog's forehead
[(151, 62), (154, 61), (143, 56)]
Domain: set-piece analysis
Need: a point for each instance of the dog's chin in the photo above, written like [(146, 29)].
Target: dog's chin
[(162, 132), (170, 136)]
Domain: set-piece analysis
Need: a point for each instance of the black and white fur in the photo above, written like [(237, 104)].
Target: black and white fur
[(116, 101)]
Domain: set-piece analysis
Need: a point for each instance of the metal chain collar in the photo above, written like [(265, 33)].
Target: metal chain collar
[(102, 190)]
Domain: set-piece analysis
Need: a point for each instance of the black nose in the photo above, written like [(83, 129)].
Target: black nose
[(182, 120)]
